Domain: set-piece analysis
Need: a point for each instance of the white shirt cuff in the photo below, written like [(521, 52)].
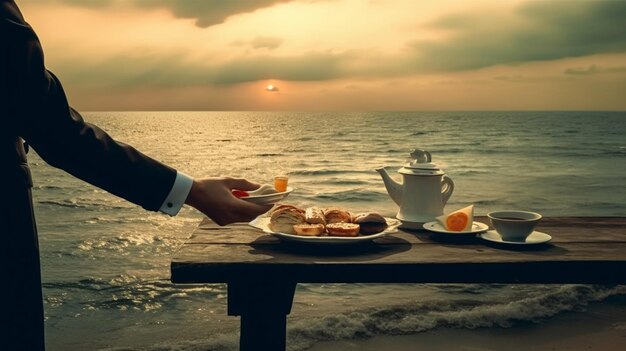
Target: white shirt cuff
[(177, 196)]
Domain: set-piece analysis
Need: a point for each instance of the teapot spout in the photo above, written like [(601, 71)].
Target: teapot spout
[(394, 189)]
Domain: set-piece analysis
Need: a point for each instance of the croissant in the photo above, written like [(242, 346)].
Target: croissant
[(337, 215), (315, 215), (283, 219)]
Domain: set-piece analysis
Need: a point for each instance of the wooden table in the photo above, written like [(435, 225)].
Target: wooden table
[(262, 272)]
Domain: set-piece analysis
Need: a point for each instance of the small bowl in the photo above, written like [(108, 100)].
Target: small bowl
[(514, 225)]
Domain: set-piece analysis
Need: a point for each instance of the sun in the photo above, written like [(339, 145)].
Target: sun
[(271, 87)]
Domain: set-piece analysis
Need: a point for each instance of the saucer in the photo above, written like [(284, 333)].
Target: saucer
[(533, 239), (267, 199), (435, 226)]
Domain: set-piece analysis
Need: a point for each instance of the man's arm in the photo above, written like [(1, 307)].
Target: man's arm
[(62, 138), (41, 113)]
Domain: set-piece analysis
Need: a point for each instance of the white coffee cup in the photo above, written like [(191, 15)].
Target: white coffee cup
[(514, 225)]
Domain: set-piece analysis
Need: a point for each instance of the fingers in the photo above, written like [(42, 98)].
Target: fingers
[(246, 211), (252, 208), (240, 183), (239, 211), (213, 197)]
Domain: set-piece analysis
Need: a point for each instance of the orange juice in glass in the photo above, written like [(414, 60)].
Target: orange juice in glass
[(280, 183)]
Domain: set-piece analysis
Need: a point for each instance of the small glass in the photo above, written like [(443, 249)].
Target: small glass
[(280, 183)]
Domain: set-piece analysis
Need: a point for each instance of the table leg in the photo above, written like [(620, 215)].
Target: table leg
[(263, 307)]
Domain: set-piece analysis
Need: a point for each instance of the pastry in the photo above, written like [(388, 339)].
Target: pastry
[(337, 215), (307, 229), (283, 219), (370, 222), (280, 207), (314, 215), (342, 229)]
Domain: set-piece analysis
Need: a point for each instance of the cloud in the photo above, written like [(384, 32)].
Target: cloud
[(514, 78), (175, 70), (306, 67), (269, 43), (536, 31), (266, 42), (593, 69), (81, 3), (206, 12)]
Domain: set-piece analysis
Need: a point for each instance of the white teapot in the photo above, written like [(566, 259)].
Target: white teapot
[(424, 190)]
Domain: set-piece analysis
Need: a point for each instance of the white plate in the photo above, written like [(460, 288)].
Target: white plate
[(268, 198), (533, 239), (262, 223), (435, 226)]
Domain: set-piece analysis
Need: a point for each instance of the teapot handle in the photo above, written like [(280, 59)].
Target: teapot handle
[(447, 187)]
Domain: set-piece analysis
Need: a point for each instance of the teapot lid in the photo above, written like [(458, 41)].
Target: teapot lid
[(420, 164)]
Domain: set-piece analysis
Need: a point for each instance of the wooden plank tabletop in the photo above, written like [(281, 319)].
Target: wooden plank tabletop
[(582, 250)]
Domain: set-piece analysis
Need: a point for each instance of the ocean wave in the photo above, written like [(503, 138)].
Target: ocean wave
[(469, 314), (616, 152), (72, 203), (305, 138), (606, 208), (121, 242), (496, 134), (217, 342), (48, 187), (364, 195), (92, 284), (64, 203), (453, 150), (130, 292), (470, 172), (357, 182), (489, 202), (413, 318), (322, 172)]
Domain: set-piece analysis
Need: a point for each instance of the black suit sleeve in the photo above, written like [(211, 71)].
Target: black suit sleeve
[(40, 112)]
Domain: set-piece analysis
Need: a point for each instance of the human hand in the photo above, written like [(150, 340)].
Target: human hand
[(214, 198)]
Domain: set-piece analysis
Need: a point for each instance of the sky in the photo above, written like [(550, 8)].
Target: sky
[(335, 55)]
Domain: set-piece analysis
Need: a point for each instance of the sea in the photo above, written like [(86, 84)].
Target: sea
[(105, 261)]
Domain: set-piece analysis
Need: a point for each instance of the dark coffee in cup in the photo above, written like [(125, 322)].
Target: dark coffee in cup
[(514, 225)]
